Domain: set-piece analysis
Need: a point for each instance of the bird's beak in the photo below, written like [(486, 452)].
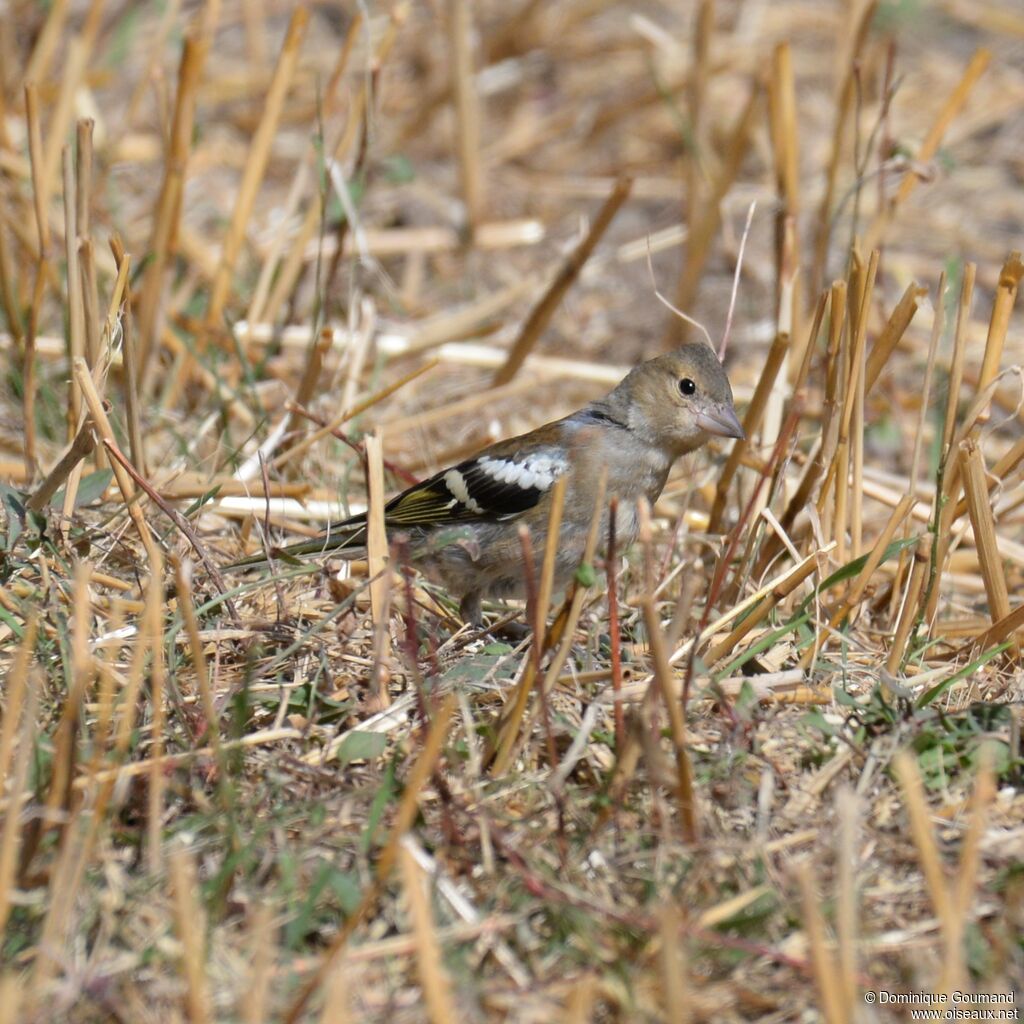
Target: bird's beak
[(721, 421)]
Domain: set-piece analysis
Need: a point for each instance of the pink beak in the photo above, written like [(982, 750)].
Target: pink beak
[(721, 421)]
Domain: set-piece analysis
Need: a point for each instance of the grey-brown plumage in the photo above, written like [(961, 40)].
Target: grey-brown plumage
[(462, 523)]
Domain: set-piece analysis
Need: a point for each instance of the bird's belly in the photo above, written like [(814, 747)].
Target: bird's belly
[(488, 558), (491, 561)]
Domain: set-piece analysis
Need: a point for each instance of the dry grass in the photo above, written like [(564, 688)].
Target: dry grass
[(253, 255)]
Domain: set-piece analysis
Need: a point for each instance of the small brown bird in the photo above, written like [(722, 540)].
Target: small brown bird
[(463, 523)]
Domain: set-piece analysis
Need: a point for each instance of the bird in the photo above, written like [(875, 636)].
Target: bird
[(462, 525)]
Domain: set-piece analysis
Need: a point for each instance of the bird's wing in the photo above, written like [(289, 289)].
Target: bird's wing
[(499, 484)]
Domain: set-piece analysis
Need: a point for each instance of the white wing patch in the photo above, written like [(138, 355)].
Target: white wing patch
[(456, 485), (538, 471)]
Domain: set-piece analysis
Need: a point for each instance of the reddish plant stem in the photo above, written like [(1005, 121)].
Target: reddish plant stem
[(734, 538), (530, 580), (615, 640)]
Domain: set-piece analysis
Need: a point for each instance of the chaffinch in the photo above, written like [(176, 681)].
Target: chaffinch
[(463, 523)]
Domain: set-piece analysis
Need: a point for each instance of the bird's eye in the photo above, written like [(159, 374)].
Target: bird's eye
[(687, 387)]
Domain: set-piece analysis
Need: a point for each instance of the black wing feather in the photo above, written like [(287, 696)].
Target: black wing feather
[(464, 493)]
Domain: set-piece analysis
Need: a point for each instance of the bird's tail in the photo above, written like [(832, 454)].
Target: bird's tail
[(347, 540)]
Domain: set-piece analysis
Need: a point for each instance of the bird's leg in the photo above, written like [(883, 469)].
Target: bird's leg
[(471, 609)]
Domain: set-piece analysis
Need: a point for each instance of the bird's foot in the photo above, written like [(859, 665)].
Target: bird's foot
[(511, 629)]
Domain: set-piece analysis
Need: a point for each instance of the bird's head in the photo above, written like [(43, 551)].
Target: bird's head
[(680, 399)]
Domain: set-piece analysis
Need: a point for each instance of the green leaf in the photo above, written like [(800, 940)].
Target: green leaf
[(90, 489), (381, 799), (123, 37), (585, 575), (802, 616), (303, 923), (762, 645), (1002, 760), (854, 568), (816, 719), (752, 914), (940, 688), (346, 888), (842, 697), (746, 701), (472, 670), (498, 649), (361, 746), (10, 620), (399, 169), (204, 499), (13, 505), (980, 955)]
